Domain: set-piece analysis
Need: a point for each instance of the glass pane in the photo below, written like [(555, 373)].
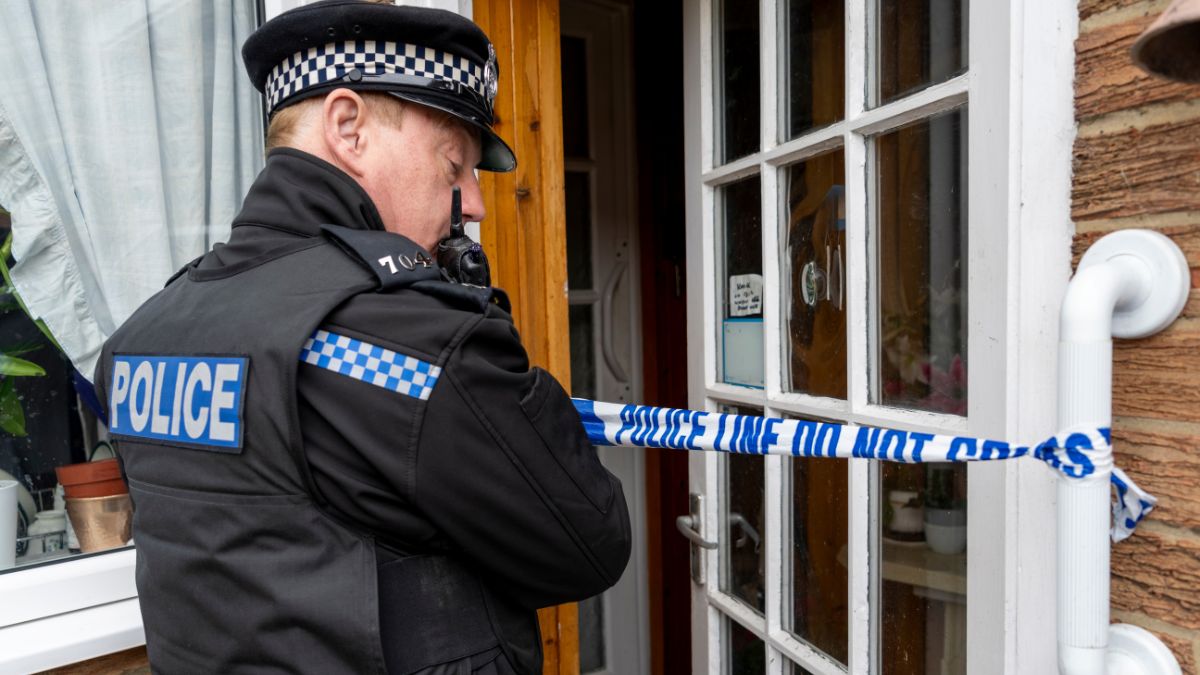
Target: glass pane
[(815, 269), (574, 97), (738, 101), (922, 202), (741, 330), (924, 573), (583, 351), (40, 431), (578, 198), (820, 502), (798, 669), (745, 654), (742, 535), (121, 175), (920, 43), (816, 42), (591, 634)]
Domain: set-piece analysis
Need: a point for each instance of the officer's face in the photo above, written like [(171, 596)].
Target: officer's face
[(414, 170)]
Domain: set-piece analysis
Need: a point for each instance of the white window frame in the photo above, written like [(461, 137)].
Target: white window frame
[(1019, 86), (64, 612)]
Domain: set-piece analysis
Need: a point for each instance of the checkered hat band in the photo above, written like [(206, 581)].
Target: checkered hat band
[(371, 364), (331, 62)]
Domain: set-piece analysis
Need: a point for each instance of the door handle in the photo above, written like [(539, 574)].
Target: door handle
[(748, 532), (687, 527), (837, 279), (606, 327)]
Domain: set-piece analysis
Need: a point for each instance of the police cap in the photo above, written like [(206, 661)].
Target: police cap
[(428, 56)]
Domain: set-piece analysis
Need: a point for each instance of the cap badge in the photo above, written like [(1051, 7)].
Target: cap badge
[(491, 77)]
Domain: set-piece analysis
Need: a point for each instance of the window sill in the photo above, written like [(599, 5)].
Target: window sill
[(70, 638), (68, 612)]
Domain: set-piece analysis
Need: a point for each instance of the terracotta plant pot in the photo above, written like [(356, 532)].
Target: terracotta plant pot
[(92, 479)]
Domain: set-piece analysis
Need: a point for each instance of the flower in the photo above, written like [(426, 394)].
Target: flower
[(910, 364)]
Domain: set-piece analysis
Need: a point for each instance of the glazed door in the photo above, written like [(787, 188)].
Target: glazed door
[(842, 228), (603, 281)]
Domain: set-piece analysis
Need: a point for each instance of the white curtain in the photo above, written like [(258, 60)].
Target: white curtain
[(129, 133)]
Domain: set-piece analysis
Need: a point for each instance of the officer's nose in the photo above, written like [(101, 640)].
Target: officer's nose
[(472, 199)]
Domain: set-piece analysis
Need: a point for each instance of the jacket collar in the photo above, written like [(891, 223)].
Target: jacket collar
[(299, 192)]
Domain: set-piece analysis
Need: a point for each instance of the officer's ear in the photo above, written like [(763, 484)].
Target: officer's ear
[(344, 130)]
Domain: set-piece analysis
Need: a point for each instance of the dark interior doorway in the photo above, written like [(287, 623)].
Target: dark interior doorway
[(655, 87), (658, 111)]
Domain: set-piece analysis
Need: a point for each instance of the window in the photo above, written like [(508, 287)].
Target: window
[(45, 425), (112, 186), (842, 261)]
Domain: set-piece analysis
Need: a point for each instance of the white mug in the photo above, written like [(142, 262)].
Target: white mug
[(47, 534), (8, 523)]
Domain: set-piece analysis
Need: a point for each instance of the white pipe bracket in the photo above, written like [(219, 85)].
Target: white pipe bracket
[(1163, 280), (1133, 650)]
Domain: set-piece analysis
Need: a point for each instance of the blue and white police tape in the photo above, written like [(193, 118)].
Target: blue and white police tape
[(1079, 454)]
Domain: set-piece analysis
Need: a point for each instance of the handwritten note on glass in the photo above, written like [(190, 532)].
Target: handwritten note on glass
[(745, 295)]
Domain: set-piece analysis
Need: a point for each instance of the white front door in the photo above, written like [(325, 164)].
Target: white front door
[(851, 178), (602, 268)]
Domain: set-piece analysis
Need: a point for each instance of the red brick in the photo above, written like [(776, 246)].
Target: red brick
[(1157, 575), (1162, 460), (1106, 79), (1136, 172)]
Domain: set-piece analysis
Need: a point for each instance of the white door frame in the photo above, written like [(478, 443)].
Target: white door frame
[(1020, 92)]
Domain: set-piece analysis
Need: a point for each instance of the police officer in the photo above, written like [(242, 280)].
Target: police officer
[(339, 458)]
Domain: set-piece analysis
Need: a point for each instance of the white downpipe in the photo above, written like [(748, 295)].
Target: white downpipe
[(1130, 284), (1085, 398)]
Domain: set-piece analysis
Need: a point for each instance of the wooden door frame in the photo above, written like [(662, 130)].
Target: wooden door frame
[(524, 234)]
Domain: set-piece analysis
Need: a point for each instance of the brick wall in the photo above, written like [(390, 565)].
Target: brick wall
[(1137, 164)]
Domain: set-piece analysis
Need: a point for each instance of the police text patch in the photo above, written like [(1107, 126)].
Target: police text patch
[(186, 400)]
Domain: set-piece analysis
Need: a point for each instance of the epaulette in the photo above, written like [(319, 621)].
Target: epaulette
[(398, 262), (475, 298), (394, 259), (179, 272)]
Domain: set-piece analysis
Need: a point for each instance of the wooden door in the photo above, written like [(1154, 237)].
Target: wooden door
[(525, 231)]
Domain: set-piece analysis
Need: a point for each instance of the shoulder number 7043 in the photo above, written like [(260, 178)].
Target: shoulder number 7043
[(404, 261)]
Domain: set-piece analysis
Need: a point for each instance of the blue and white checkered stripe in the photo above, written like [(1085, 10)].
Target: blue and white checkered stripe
[(331, 62), (1080, 454), (371, 363)]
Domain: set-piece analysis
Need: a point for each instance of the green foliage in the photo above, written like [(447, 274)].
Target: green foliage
[(11, 366), (12, 414), (5, 250)]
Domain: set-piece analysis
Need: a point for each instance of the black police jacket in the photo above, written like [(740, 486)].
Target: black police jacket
[(344, 465)]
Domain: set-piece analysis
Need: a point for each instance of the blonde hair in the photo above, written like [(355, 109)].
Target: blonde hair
[(287, 124)]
